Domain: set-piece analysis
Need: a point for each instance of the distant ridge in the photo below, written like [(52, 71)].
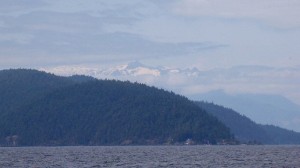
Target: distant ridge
[(263, 109), (247, 131), (133, 68)]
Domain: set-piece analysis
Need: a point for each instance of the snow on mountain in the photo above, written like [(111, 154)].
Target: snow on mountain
[(71, 70), (134, 69)]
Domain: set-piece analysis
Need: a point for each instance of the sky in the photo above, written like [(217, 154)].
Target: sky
[(206, 34)]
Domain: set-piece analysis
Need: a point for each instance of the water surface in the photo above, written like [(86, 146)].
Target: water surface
[(151, 156)]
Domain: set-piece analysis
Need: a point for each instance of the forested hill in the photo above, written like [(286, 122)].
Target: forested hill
[(42, 109), (20, 86), (247, 131)]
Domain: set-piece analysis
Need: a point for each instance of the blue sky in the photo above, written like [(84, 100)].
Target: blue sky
[(205, 34)]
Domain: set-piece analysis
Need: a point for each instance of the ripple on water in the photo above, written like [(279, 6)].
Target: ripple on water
[(151, 156)]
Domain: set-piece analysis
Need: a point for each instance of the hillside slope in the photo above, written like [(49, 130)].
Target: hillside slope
[(104, 112), (22, 86)]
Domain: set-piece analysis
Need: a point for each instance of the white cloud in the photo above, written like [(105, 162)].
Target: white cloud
[(281, 13)]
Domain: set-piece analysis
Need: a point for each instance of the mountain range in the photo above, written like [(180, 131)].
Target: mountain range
[(134, 68), (39, 108), (255, 91)]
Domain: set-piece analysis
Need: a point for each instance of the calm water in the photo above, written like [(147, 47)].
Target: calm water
[(151, 156)]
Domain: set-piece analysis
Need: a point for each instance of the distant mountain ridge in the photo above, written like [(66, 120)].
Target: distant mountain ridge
[(134, 68), (263, 109), (247, 131)]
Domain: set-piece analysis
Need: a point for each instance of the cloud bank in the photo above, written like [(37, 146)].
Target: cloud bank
[(281, 13)]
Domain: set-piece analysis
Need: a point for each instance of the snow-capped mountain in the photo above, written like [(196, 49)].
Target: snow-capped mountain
[(133, 69)]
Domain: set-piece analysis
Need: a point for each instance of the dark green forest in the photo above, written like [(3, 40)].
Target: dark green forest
[(38, 108)]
